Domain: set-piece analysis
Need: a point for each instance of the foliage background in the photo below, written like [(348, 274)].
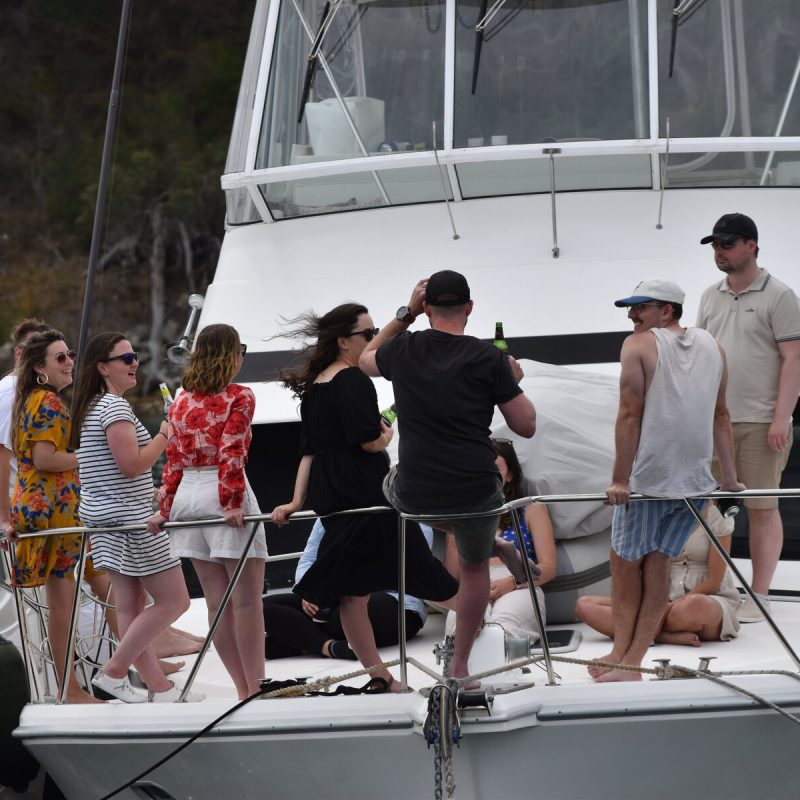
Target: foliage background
[(165, 210)]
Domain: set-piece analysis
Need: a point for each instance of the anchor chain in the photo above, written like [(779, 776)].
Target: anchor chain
[(441, 730)]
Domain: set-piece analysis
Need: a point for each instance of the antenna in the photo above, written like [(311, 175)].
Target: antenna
[(178, 353)]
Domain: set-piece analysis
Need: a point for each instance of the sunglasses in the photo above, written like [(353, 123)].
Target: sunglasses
[(369, 334), (128, 358), (496, 440), (62, 357), (242, 348), (642, 306), (718, 244)]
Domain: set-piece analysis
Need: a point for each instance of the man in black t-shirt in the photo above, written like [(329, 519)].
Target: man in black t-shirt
[(446, 386)]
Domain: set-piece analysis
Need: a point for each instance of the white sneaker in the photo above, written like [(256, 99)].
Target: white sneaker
[(748, 611), (171, 696), (118, 687)]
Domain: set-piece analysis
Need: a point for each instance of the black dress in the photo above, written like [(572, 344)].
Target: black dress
[(358, 554)]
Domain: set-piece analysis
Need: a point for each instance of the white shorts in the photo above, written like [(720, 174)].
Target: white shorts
[(198, 498)]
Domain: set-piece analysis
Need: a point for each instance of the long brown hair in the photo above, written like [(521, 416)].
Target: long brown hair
[(324, 351), (512, 489), (34, 355), (90, 384), (212, 364)]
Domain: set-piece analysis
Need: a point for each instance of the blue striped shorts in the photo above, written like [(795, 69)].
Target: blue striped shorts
[(646, 526)]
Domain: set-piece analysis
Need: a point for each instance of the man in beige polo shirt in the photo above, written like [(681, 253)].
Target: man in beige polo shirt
[(756, 319)]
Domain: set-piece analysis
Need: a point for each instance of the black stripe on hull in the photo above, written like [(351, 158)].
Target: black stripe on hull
[(564, 349)]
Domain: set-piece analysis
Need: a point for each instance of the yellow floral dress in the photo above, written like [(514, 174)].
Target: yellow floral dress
[(42, 499)]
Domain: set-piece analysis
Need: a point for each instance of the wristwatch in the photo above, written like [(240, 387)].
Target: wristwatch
[(404, 314)]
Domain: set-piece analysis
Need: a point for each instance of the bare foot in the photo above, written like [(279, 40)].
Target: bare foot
[(679, 637), (512, 559), (595, 670), (168, 667), (186, 635), (80, 696), (618, 676), (172, 643)]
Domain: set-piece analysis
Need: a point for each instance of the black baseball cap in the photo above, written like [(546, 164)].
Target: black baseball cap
[(732, 226), (447, 288)]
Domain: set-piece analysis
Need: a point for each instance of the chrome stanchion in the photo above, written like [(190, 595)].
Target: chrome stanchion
[(401, 599), (551, 678), (61, 696), (750, 593), (220, 611)]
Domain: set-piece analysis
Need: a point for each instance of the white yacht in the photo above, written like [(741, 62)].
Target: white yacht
[(556, 153)]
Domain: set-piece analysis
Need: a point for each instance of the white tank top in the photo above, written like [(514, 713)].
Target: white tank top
[(677, 442)]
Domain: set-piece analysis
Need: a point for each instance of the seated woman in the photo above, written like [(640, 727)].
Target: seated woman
[(703, 598), (298, 627), (510, 602)]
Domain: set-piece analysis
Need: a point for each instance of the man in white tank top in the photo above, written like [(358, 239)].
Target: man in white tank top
[(672, 413)]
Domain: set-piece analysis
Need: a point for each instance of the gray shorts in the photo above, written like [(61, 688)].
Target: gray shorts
[(474, 535)]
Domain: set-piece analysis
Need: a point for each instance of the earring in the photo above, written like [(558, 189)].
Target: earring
[(42, 379)]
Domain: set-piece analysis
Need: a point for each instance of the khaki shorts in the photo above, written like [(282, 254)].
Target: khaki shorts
[(474, 536), (758, 466)]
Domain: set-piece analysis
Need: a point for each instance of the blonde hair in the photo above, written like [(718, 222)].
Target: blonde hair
[(212, 364)]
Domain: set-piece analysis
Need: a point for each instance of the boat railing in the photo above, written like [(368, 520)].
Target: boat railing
[(254, 521)]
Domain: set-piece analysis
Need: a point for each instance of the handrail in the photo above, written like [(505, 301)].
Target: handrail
[(511, 507)]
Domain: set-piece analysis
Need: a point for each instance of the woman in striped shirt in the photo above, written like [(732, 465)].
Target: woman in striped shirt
[(115, 456)]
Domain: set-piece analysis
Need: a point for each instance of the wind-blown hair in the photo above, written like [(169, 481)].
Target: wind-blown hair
[(212, 363), (513, 489), (320, 354), (34, 355), (89, 384)]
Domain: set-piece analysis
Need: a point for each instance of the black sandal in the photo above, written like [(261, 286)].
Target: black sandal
[(377, 685)]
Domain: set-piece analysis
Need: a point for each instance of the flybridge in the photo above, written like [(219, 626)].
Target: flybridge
[(349, 105)]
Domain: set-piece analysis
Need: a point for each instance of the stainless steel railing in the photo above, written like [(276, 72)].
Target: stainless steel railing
[(255, 520)]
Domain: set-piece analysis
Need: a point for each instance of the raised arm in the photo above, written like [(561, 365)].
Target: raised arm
[(367, 361)]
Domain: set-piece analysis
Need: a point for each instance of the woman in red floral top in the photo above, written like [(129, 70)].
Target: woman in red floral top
[(204, 478)]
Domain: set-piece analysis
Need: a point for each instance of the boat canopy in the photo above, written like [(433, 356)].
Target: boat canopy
[(352, 104)]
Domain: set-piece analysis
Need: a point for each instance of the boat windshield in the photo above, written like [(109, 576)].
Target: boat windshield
[(364, 83)]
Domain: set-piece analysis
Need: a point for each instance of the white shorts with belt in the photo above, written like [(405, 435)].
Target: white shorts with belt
[(198, 498)]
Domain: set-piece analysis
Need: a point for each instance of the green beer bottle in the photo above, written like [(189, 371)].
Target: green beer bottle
[(389, 415), (499, 338)]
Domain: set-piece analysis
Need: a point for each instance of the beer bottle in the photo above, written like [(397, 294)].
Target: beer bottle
[(166, 397), (499, 338), (389, 415)]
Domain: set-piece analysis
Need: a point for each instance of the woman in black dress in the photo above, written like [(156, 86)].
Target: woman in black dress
[(343, 464)]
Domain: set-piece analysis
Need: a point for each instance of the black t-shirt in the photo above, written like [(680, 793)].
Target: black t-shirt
[(445, 391)]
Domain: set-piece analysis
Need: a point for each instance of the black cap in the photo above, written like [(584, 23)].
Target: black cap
[(447, 288), (732, 226)]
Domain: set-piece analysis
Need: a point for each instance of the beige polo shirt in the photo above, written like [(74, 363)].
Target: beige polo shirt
[(749, 327)]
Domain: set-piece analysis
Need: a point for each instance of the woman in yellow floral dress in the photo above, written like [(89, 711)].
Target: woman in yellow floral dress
[(47, 489)]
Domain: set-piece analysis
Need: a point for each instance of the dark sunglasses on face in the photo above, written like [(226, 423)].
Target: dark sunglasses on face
[(718, 244), (128, 358), (369, 334), (63, 356), (642, 306), (242, 348)]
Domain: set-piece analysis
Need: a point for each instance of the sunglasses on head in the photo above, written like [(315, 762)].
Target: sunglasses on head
[(63, 356), (128, 358), (369, 334)]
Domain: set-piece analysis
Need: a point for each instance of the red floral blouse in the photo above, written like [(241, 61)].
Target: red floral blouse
[(210, 430)]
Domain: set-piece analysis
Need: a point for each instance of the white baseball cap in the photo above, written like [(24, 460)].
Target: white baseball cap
[(654, 289)]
